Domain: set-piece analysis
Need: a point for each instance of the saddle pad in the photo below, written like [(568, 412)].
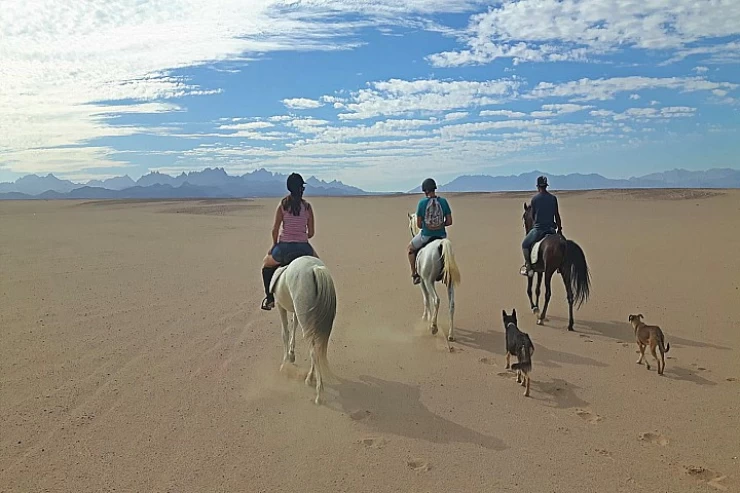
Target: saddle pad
[(536, 251)]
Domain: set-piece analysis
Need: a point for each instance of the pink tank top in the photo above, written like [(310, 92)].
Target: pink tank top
[(294, 228)]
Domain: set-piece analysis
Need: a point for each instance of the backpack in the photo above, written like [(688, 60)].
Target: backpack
[(434, 216)]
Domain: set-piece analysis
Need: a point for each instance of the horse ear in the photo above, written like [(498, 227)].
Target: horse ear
[(640, 315), (525, 206), (503, 312), (513, 313)]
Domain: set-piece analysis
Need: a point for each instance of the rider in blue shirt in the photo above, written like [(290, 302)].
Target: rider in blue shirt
[(426, 234), (546, 216)]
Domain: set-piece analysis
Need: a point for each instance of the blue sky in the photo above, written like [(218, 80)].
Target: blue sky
[(377, 93)]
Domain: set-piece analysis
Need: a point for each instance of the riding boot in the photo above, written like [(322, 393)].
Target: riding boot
[(527, 269), (267, 273)]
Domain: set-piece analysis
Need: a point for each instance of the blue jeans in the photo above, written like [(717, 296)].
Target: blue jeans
[(284, 253)]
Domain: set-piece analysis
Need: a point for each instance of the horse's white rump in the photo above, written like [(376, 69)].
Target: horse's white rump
[(305, 288)]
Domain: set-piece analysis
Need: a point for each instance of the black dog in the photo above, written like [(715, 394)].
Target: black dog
[(520, 345)]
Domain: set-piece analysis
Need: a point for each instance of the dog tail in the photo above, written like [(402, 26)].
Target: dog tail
[(667, 347)]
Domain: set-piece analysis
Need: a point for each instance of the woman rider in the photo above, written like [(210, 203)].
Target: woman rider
[(293, 227)]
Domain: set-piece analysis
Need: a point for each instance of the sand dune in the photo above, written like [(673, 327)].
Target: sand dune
[(134, 355)]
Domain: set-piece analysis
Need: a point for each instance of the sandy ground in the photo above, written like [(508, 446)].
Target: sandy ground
[(134, 355)]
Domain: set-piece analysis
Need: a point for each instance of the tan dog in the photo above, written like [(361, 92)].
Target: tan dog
[(649, 335)]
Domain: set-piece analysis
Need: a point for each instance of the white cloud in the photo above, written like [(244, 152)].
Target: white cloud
[(60, 60), (302, 103), (643, 114), (398, 97), (459, 115), (551, 110), (559, 30), (506, 113), (634, 97), (605, 89), (247, 126), (700, 69)]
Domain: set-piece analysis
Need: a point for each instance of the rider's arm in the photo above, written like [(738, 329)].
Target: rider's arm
[(311, 229), (418, 221), (448, 213), (276, 224), (557, 216), (448, 219)]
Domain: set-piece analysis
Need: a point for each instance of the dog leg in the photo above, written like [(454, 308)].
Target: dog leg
[(526, 392), (507, 360), (518, 376), (642, 352), (652, 351)]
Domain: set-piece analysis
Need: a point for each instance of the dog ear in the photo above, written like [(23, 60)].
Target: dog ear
[(513, 313), (503, 312), (639, 315)]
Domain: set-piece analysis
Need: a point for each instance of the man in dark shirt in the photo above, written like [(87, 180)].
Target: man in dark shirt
[(546, 219)]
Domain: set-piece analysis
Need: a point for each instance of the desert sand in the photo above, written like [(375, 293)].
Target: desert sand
[(134, 355)]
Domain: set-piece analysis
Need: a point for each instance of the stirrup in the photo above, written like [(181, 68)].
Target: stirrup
[(416, 279), (268, 304), (526, 271)]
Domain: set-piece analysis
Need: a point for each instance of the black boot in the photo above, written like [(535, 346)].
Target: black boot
[(269, 302), (526, 269)]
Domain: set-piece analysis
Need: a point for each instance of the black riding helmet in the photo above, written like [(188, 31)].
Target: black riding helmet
[(428, 185), (295, 183)]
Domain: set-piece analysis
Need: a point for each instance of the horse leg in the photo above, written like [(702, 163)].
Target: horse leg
[(548, 291), (286, 334), (537, 293), (291, 348), (569, 292), (319, 381), (435, 309), (425, 294), (451, 298), (532, 306)]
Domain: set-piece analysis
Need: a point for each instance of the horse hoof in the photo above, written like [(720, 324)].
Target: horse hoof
[(571, 329), (317, 401), (451, 339), (540, 322), (535, 309), (291, 357), (434, 330)]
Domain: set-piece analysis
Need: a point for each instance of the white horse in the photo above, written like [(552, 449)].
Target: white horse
[(413, 227), (436, 262), (305, 288)]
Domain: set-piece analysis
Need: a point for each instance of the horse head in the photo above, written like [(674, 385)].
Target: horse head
[(527, 217)]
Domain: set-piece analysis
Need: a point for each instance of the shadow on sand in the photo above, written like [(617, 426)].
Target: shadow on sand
[(622, 331), (396, 408), (493, 341)]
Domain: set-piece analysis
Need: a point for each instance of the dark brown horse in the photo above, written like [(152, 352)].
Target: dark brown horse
[(558, 254)]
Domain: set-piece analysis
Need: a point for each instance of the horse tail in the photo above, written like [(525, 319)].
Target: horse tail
[(320, 318), (579, 275), (450, 272)]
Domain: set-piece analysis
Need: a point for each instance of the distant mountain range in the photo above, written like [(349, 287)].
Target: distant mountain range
[(678, 178), (215, 183), (209, 183)]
